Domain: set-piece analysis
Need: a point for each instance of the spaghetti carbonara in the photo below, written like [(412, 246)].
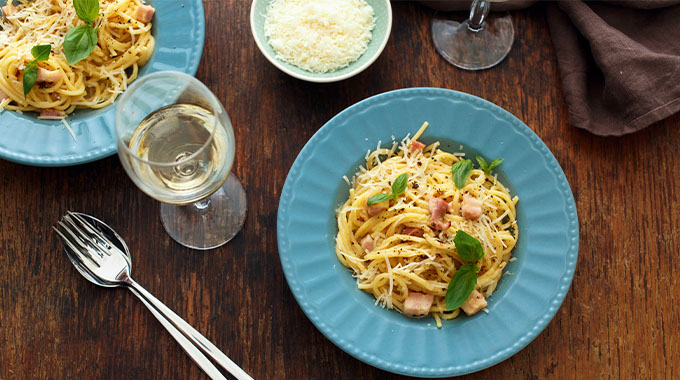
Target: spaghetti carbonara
[(402, 252), (124, 43)]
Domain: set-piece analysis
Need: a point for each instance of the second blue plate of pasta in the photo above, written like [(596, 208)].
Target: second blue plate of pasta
[(530, 291), (179, 30)]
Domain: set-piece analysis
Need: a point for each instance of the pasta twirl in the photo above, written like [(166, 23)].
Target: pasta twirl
[(124, 44), (403, 262)]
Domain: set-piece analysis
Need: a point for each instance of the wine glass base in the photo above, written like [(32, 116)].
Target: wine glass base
[(474, 50), (208, 223)]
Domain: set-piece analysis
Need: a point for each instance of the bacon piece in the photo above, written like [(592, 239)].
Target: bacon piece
[(144, 13), (3, 96), (418, 304), (412, 231), (51, 112), (440, 225), (438, 208), (8, 10), (368, 243), (376, 208), (474, 303), (45, 75), (416, 146), (471, 208)]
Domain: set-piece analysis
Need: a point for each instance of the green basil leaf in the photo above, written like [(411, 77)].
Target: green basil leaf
[(461, 286), (378, 198), (495, 163), (399, 186), (87, 10), (79, 43), (469, 248), (460, 171), (41, 52), (482, 163), (30, 75)]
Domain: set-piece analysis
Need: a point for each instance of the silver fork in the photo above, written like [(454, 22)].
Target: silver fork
[(101, 261)]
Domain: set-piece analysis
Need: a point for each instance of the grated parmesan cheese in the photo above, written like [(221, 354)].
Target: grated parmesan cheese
[(319, 35), (37, 28), (70, 130)]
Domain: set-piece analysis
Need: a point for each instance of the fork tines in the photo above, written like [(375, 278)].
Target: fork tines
[(84, 238)]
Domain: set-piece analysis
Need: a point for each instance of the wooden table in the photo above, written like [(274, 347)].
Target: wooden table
[(619, 320)]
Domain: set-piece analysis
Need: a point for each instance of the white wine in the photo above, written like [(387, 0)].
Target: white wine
[(176, 142), (182, 160)]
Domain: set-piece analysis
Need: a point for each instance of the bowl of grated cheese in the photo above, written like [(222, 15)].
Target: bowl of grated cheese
[(321, 40)]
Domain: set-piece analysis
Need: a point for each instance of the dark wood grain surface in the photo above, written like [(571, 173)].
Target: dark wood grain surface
[(621, 318)]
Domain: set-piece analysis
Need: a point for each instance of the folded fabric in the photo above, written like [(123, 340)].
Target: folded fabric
[(619, 62)]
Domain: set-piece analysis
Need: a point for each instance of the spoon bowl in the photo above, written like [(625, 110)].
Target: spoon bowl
[(113, 237)]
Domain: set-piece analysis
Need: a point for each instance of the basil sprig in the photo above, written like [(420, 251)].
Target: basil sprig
[(87, 10), (464, 280), (461, 286), (398, 188), (460, 171), (40, 53), (81, 40), (488, 167), (469, 248)]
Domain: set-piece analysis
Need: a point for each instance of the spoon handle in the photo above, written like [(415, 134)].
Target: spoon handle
[(189, 332), (195, 354)]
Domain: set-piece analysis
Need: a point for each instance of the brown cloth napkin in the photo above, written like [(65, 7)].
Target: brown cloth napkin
[(619, 62)]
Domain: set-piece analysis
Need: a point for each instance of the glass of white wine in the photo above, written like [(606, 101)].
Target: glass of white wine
[(176, 142)]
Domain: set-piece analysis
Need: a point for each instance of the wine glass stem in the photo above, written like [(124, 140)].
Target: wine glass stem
[(202, 204), (478, 12)]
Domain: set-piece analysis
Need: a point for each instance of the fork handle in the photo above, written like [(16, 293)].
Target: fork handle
[(193, 351), (179, 325)]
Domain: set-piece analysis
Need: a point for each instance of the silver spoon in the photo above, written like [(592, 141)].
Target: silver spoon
[(102, 257)]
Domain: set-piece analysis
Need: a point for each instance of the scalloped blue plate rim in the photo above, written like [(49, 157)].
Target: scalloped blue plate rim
[(556, 298), (98, 142)]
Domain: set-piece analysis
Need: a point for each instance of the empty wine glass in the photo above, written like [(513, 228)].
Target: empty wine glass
[(176, 143), (480, 42)]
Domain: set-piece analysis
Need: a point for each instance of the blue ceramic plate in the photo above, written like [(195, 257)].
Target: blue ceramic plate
[(179, 29), (532, 288)]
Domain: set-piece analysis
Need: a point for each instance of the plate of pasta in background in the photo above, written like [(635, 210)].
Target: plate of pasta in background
[(427, 232), (64, 63)]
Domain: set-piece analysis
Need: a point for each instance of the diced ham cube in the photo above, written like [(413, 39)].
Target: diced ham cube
[(412, 231), (368, 243), (376, 208), (441, 225), (471, 208), (144, 13), (8, 10), (51, 112), (416, 146), (3, 96), (438, 208), (45, 75), (474, 303), (418, 304)]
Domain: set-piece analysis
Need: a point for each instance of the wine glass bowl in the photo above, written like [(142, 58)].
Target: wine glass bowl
[(478, 43), (176, 142)]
